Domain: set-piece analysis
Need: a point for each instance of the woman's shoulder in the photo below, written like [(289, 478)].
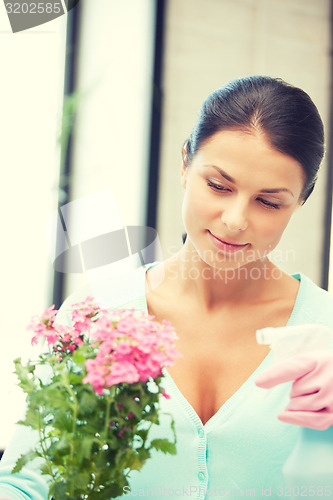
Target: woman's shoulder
[(124, 289), (315, 302)]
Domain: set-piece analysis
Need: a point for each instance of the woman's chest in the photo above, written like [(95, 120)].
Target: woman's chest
[(211, 370), (218, 351)]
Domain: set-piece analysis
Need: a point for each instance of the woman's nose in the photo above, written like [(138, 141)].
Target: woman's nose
[(234, 217)]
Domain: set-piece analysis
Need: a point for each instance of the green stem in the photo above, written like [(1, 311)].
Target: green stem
[(107, 415), (75, 411), (42, 439), (109, 400), (103, 441)]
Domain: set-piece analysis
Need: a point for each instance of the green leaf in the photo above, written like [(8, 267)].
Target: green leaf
[(62, 446), (82, 480), (78, 357), (32, 417), (63, 421), (58, 490), (164, 445), (45, 470), (84, 449), (135, 461), (112, 491), (24, 459), (143, 433), (87, 403), (24, 375), (75, 379), (131, 406)]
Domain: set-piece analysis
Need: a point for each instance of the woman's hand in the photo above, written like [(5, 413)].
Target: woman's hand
[(311, 395)]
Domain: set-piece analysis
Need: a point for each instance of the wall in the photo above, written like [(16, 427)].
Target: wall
[(112, 136), (210, 42), (32, 75)]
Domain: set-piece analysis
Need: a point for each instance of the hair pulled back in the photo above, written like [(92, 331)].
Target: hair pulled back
[(285, 114)]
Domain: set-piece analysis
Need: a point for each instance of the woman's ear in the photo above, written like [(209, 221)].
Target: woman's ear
[(183, 171), (183, 174)]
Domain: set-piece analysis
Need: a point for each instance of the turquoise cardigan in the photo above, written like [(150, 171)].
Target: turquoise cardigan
[(238, 452)]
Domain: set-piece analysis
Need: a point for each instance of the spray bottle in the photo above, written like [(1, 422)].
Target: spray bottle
[(308, 471)]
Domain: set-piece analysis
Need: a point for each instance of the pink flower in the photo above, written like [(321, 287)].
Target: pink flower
[(130, 345), (167, 396), (43, 326), (96, 379), (123, 372), (123, 349)]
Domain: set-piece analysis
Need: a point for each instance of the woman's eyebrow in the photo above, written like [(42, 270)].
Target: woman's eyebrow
[(278, 190), (221, 172), (230, 179)]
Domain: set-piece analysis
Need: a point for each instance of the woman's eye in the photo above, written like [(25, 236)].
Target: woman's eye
[(269, 204), (218, 187)]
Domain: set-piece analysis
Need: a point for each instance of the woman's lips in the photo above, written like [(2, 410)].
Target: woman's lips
[(226, 246)]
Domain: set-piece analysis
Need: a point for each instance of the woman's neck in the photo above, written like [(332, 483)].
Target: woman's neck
[(211, 287)]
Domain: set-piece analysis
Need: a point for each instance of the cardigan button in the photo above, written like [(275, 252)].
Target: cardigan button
[(201, 433), (201, 476)]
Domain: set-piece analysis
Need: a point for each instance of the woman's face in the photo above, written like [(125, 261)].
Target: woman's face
[(239, 196)]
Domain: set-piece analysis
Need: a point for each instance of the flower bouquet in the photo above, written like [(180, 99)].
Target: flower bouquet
[(93, 397)]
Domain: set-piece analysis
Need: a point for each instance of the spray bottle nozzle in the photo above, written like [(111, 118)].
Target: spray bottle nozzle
[(288, 341)]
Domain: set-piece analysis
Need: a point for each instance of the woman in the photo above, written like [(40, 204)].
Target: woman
[(251, 161)]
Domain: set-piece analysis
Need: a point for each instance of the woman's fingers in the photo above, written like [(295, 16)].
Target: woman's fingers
[(311, 395), (285, 371), (321, 420)]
